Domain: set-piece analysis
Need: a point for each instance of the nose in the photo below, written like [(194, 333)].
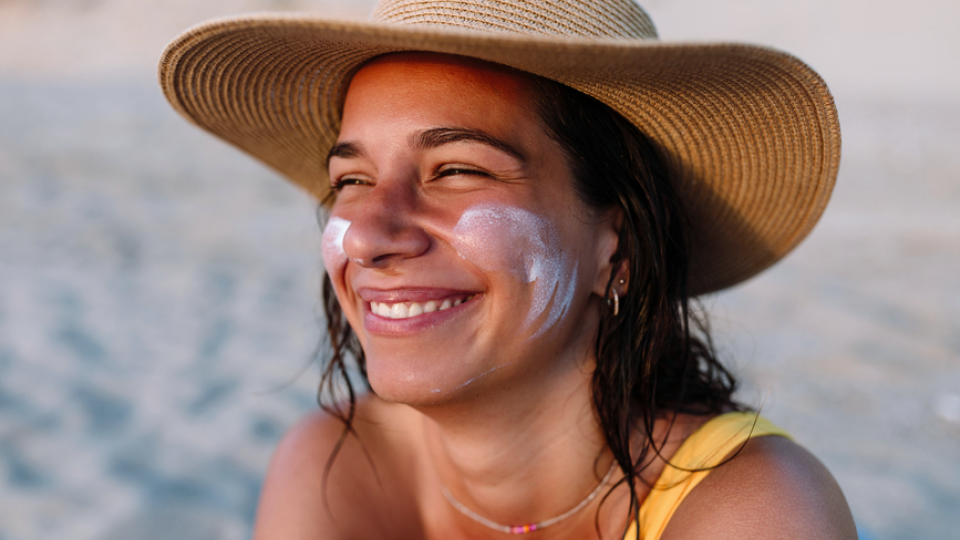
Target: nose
[(385, 229)]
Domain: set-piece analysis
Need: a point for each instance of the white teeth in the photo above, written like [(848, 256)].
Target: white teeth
[(399, 311), (404, 310)]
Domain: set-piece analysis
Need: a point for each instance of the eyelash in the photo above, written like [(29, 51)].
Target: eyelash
[(453, 171), (340, 183)]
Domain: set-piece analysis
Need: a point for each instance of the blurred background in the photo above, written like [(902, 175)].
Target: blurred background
[(158, 290)]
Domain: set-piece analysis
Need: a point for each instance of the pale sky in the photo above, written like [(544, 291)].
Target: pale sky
[(880, 50)]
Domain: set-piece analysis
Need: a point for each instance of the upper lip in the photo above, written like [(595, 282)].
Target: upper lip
[(409, 294)]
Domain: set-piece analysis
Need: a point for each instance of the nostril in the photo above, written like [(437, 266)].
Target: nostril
[(385, 230), (380, 261), (372, 245)]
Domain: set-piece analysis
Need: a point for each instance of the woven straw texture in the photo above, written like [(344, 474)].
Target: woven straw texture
[(750, 134)]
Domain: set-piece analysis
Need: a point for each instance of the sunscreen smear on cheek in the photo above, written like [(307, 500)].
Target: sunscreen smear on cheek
[(331, 244), (528, 246)]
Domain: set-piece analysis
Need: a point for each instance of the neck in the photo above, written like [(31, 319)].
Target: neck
[(500, 457)]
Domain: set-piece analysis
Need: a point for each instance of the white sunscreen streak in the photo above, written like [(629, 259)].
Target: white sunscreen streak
[(562, 298), (331, 244), (488, 235), (461, 385)]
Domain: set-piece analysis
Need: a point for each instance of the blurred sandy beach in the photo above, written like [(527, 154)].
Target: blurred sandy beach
[(159, 290)]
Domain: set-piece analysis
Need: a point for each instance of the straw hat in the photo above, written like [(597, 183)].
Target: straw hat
[(750, 134)]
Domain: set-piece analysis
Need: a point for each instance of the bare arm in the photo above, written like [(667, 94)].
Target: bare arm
[(291, 503), (368, 493), (774, 489)]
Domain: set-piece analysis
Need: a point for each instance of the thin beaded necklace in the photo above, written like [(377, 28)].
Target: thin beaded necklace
[(530, 527)]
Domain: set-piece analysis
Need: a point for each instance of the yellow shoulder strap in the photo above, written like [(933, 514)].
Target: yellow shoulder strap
[(705, 448)]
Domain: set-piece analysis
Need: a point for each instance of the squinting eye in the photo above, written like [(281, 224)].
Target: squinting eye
[(341, 183), (461, 171)]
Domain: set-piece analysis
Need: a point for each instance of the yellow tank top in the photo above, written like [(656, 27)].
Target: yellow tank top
[(706, 447)]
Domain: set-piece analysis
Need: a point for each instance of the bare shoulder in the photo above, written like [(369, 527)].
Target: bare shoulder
[(772, 489), (307, 495)]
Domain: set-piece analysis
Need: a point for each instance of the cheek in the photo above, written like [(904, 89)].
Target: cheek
[(500, 239), (526, 247), (331, 245)]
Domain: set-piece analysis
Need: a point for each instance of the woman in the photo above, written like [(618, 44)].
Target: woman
[(510, 264)]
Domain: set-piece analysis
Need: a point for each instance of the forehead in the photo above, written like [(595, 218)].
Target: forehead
[(454, 89)]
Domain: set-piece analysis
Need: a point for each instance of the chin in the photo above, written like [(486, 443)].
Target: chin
[(418, 383), (413, 394)]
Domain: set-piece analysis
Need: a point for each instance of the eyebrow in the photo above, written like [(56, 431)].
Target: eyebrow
[(344, 150), (433, 138)]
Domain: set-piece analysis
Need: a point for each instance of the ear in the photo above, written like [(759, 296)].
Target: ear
[(608, 244)]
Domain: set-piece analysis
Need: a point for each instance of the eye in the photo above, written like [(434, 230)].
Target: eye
[(340, 183), (460, 170)]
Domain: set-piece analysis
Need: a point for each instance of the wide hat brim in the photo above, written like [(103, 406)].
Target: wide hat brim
[(749, 134)]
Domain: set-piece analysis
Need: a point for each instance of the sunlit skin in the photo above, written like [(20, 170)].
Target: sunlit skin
[(448, 187), (411, 160), (427, 141)]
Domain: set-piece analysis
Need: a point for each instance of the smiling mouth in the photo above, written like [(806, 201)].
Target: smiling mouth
[(406, 310)]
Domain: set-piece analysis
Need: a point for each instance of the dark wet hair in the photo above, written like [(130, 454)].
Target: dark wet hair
[(655, 358)]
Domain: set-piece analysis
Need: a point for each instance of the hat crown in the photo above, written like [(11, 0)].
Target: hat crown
[(610, 19)]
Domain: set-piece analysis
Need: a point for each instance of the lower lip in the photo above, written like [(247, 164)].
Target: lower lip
[(375, 324)]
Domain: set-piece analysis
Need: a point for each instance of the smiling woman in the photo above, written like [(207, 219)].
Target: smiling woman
[(522, 200), (453, 208)]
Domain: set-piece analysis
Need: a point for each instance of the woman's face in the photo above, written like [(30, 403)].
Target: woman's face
[(459, 251)]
